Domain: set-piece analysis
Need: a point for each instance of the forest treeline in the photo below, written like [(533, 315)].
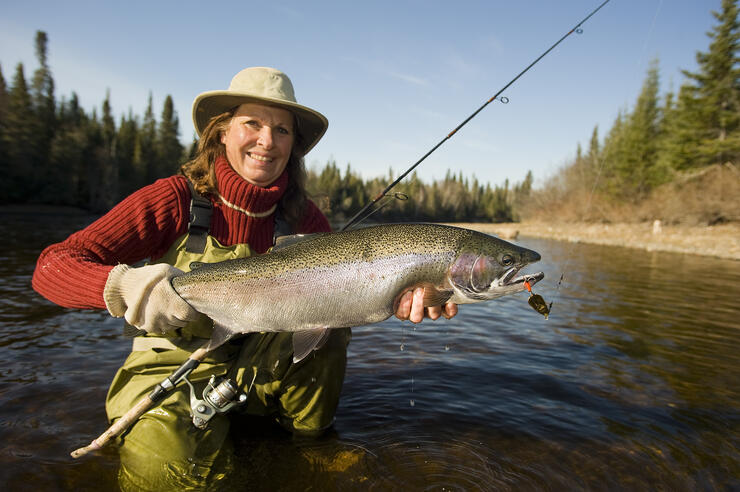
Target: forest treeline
[(54, 152)]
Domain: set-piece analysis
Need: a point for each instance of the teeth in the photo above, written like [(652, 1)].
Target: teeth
[(259, 158)]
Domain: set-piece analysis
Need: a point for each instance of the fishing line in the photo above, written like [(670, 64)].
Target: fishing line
[(601, 163), (359, 216)]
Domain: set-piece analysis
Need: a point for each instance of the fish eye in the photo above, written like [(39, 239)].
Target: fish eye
[(507, 260)]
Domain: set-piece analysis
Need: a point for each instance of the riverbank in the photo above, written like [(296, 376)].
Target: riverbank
[(722, 241)]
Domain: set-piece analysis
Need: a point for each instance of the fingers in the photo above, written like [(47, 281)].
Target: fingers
[(434, 312), (411, 307), (417, 306), (450, 310), (404, 306)]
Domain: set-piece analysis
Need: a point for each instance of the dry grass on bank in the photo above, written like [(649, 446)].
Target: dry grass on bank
[(697, 213), (721, 241), (709, 196)]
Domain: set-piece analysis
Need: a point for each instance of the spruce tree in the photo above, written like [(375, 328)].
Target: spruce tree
[(44, 108), (704, 127), (169, 150), (106, 154), (637, 170), (125, 151), (145, 158), (3, 148), (19, 140)]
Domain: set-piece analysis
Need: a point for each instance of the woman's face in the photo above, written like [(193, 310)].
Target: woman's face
[(258, 142)]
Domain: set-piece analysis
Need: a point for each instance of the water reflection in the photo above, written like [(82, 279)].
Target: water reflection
[(631, 383)]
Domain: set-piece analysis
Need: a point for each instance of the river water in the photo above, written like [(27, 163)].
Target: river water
[(633, 383)]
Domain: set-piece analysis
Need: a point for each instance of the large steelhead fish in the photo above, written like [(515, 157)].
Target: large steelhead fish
[(352, 278)]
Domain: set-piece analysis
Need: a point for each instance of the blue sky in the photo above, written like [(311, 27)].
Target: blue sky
[(393, 77)]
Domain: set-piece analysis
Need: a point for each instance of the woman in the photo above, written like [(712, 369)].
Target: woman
[(249, 167)]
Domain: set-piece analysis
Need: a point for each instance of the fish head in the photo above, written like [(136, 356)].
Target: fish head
[(486, 268)]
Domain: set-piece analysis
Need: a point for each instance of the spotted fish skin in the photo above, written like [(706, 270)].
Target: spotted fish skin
[(353, 278)]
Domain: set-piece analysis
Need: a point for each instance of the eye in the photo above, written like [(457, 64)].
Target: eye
[(252, 123), (283, 130), (507, 260)]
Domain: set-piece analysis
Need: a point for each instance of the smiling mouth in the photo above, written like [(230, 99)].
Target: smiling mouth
[(259, 157)]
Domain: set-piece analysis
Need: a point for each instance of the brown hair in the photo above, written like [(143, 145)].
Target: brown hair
[(202, 173)]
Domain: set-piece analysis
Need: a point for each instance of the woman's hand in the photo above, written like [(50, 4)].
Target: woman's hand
[(145, 297), (411, 307)]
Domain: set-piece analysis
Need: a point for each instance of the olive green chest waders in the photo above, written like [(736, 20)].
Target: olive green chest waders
[(164, 447)]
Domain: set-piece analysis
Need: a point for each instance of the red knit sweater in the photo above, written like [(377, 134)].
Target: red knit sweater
[(146, 224)]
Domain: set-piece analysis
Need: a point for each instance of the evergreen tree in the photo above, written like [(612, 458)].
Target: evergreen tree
[(44, 108), (99, 163), (4, 184), (67, 178), (637, 170), (145, 157), (169, 150), (704, 127), (108, 164), (125, 151), (19, 139), (3, 97), (613, 153)]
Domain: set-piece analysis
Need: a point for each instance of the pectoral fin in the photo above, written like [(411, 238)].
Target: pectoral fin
[(436, 297), (306, 341)]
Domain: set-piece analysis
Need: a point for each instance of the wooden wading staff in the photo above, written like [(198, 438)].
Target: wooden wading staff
[(158, 394)]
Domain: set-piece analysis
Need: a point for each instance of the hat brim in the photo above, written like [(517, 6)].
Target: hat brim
[(312, 124)]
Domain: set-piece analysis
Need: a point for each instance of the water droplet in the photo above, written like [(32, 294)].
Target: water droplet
[(412, 402)]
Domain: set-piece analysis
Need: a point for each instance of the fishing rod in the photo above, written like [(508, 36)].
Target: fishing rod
[(363, 213)]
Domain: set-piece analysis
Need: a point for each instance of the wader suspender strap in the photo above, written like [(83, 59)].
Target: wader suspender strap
[(200, 221), (282, 228)]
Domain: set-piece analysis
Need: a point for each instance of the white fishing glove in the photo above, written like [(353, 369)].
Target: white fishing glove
[(145, 297)]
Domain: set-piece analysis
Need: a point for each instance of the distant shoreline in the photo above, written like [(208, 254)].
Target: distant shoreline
[(721, 241)]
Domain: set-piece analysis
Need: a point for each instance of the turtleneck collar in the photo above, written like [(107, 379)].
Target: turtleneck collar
[(242, 194)]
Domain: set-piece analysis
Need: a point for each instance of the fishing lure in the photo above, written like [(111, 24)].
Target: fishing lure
[(537, 302)]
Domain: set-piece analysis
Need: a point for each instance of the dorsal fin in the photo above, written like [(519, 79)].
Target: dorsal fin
[(285, 241)]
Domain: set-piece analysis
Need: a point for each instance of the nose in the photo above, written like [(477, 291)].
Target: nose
[(534, 256), (265, 137), (529, 256)]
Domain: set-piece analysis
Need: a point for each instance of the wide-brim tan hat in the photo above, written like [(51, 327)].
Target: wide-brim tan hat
[(260, 85)]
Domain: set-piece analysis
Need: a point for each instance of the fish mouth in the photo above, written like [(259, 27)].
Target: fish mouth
[(508, 279)]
